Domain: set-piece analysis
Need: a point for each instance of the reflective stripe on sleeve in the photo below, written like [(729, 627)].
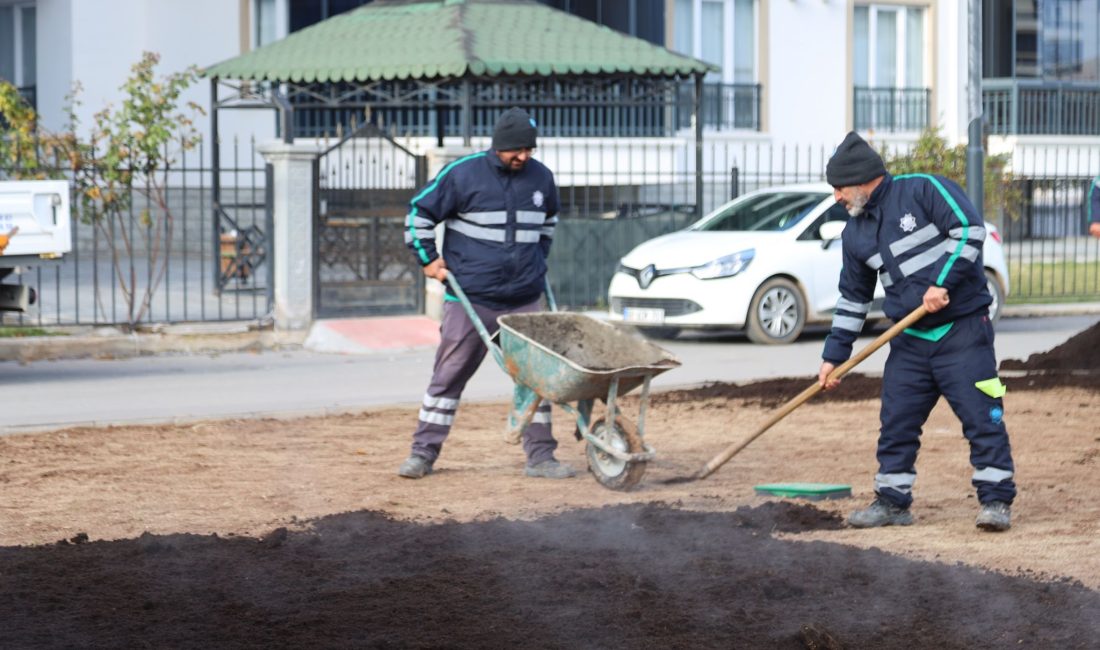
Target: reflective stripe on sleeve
[(849, 323), (911, 241), (927, 258), (875, 261)]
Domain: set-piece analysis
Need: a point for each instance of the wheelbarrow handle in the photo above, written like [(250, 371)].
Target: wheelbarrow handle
[(550, 302), (494, 349)]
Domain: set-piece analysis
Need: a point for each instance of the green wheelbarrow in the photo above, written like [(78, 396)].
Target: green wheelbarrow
[(573, 360)]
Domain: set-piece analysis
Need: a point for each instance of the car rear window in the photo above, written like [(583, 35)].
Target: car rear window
[(763, 212)]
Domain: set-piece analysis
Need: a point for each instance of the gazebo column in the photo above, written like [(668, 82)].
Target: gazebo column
[(294, 188)]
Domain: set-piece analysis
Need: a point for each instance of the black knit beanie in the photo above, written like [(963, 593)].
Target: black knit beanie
[(853, 163), (515, 129)]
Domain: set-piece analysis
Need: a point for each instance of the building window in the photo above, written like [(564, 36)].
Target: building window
[(644, 19), (275, 19), (889, 46), (1051, 39), (18, 59), (888, 56), (722, 32)]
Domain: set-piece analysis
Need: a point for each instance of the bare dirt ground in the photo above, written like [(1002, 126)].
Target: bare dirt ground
[(299, 532)]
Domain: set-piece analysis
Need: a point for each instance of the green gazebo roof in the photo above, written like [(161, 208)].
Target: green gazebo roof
[(434, 39)]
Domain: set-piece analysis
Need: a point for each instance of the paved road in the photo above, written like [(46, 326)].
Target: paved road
[(52, 394)]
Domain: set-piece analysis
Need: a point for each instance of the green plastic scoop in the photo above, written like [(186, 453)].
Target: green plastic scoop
[(811, 491)]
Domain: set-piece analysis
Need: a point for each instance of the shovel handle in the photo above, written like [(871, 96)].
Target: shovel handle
[(813, 389)]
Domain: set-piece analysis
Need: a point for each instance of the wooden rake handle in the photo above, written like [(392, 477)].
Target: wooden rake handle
[(841, 370)]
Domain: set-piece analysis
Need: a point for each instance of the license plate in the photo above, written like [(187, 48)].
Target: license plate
[(651, 316)]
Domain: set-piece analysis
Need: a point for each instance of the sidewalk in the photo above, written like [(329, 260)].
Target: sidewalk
[(340, 336)]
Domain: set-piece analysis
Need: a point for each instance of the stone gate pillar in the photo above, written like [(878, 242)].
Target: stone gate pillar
[(291, 249), (433, 289)]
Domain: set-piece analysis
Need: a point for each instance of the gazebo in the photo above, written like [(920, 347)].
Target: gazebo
[(445, 68)]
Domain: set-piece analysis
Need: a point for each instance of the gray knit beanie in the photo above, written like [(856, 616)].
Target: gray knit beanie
[(854, 163), (515, 129)]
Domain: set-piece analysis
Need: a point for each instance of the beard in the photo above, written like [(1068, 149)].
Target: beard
[(858, 202)]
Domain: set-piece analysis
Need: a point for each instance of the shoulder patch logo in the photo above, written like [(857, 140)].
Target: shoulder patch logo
[(908, 223), (536, 198)]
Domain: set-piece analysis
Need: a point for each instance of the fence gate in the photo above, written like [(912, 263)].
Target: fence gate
[(361, 266)]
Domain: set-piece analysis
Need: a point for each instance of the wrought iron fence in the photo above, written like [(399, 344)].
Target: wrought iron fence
[(891, 109), (1041, 107), (92, 285), (1050, 255), (616, 195)]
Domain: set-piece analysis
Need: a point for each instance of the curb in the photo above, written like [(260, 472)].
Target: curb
[(111, 343), (254, 336)]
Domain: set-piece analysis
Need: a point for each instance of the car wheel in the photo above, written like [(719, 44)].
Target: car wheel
[(777, 313), (998, 294), (660, 332)]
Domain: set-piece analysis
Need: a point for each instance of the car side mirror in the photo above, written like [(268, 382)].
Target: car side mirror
[(829, 232)]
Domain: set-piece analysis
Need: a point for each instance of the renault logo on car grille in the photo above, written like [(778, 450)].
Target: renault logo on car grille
[(645, 277)]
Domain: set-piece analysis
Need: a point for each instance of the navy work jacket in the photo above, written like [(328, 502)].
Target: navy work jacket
[(916, 231), (499, 227)]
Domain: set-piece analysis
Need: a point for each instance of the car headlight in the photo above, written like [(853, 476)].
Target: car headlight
[(724, 267)]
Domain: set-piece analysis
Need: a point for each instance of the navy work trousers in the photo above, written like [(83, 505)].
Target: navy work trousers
[(460, 353), (917, 372)]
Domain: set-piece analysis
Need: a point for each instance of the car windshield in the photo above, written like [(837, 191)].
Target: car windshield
[(769, 211)]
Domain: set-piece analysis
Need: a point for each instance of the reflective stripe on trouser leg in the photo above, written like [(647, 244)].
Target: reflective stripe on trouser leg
[(908, 395), (538, 442), (967, 356), (459, 354)]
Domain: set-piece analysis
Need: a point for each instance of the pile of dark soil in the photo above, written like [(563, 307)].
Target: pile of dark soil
[(775, 392), (618, 577), (1082, 352)]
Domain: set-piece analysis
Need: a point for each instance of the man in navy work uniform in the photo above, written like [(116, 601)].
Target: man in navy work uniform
[(499, 207), (922, 237)]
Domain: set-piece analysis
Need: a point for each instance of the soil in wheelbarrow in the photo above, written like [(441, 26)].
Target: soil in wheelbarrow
[(589, 343), (298, 533)]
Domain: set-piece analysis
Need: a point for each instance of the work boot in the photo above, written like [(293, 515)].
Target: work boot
[(880, 513), (994, 516), (550, 469), (415, 467)]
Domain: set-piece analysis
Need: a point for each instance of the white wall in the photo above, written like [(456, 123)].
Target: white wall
[(807, 71), (106, 37)]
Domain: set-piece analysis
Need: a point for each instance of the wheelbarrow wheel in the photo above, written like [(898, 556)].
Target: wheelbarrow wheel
[(609, 471)]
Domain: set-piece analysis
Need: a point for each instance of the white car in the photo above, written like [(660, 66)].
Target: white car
[(767, 262)]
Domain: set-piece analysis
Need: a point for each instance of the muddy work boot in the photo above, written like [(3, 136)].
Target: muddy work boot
[(994, 516), (880, 513), (550, 469), (415, 467)]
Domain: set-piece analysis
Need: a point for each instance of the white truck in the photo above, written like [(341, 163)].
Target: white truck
[(35, 230)]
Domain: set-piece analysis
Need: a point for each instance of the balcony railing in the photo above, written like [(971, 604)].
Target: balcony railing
[(1041, 107), (725, 107), (892, 109)]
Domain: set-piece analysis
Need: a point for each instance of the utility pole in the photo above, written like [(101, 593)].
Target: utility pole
[(974, 154)]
